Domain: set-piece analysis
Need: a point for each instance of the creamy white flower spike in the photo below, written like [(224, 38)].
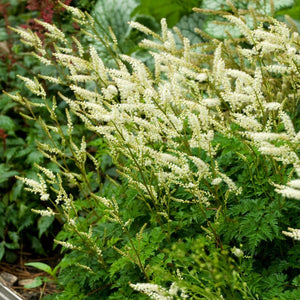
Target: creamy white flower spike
[(293, 233), (154, 291), (36, 187), (34, 86)]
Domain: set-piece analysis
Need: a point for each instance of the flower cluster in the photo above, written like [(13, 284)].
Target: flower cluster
[(157, 292), (37, 187), (160, 122)]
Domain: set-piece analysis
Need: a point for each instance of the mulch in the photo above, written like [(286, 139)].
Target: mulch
[(21, 272)]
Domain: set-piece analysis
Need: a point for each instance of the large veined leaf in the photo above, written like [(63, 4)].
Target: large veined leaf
[(187, 25), (278, 5), (116, 15), (220, 31), (216, 30)]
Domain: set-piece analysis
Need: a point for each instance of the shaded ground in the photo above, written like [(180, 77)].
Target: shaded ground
[(13, 276)]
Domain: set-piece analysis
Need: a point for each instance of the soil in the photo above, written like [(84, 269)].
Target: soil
[(21, 271)]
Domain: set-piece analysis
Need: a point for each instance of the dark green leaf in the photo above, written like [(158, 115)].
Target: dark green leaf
[(6, 173), (44, 223)]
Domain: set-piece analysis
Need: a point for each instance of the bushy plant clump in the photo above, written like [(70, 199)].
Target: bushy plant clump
[(20, 228), (179, 187)]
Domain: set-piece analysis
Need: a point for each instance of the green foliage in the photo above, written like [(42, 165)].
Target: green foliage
[(116, 16), (173, 11), (294, 11), (208, 272), (38, 281), (44, 223), (170, 183), (18, 136), (215, 26), (17, 152)]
